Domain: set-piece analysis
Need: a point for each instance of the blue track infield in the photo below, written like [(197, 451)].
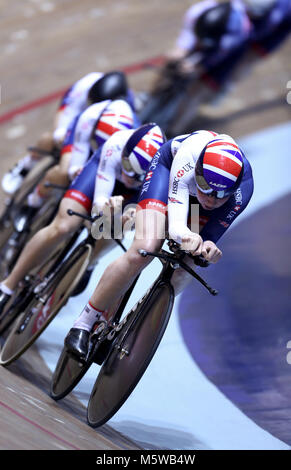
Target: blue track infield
[(239, 339)]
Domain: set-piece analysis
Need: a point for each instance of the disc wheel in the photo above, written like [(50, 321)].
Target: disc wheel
[(130, 355)]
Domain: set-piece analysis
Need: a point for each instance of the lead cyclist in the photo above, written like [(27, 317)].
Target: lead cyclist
[(202, 168)]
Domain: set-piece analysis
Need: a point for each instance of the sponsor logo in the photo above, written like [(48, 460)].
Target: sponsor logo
[(154, 162), (231, 215), (185, 168), (237, 208), (78, 195), (149, 175), (175, 185), (145, 187), (218, 185), (156, 204), (238, 197), (188, 167)]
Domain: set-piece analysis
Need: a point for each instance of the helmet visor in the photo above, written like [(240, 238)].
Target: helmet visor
[(204, 187), (128, 170)]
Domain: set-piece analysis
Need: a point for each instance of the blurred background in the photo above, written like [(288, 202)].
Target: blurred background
[(238, 343)]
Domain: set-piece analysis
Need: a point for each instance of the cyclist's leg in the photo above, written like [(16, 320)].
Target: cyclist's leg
[(150, 235), (150, 227), (78, 198), (44, 241), (181, 279), (58, 174), (116, 279)]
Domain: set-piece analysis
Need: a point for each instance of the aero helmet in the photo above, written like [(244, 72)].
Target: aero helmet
[(110, 86), (117, 116), (212, 24), (140, 149), (219, 168)]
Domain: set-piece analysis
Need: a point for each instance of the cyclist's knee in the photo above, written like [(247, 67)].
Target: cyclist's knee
[(61, 227), (134, 256)]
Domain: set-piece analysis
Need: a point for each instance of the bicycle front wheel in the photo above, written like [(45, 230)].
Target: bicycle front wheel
[(130, 355), (68, 373), (42, 309)]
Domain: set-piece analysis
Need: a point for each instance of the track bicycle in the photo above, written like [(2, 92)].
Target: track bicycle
[(125, 347), (46, 292)]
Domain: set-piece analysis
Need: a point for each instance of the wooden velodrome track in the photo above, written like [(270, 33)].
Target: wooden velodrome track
[(45, 46)]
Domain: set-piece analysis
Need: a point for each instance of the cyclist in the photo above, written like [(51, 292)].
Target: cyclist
[(213, 30), (203, 167), (212, 41), (89, 131), (107, 178), (92, 88)]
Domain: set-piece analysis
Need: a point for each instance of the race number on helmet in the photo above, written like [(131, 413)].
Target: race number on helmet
[(140, 149), (219, 168)]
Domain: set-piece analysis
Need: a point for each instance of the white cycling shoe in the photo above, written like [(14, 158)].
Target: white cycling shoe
[(12, 180)]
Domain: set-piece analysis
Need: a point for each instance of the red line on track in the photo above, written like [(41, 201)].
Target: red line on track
[(38, 426), (155, 61)]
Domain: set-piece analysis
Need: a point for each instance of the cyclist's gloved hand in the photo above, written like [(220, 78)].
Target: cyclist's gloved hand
[(115, 203), (211, 252), (193, 243)]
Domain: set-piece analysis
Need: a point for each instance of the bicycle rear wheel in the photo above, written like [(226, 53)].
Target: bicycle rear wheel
[(42, 309), (131, 354)]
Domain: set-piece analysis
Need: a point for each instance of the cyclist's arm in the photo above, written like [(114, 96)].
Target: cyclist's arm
[(182, 183), (83, 132), (109, 168), (178, 199)]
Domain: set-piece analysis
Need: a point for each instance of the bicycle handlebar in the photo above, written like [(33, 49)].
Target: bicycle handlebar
[(90, 219), (177, 259)]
